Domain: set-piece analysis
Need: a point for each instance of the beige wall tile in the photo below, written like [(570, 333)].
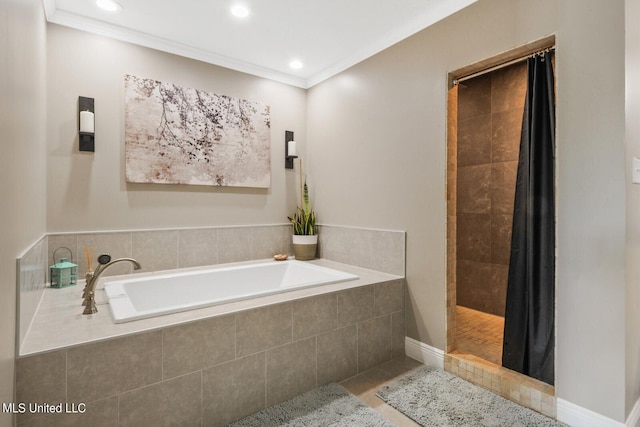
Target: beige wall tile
[(389, 297), (233, 390), (263, 328), (155, 250), (176, 402), (291, 370), (387, 252), (234, 244), (266, 241), (114, 366), (332, 243), (355, 305), (197, 247), (374, 342), (474, 141), (191, 347), (398, 333), (313, 316), (115, 244), (337, 355), (41, 378), (100, 413)]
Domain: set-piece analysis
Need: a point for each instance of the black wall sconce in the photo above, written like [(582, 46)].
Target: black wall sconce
[(290, 152), (86, 124)]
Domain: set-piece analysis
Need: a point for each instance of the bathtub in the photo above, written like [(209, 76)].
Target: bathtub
[(136, 298)]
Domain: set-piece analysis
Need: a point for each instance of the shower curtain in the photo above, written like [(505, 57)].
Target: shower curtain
[(529, 316)]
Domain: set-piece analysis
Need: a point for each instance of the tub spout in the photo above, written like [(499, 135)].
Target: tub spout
[(92, 280)]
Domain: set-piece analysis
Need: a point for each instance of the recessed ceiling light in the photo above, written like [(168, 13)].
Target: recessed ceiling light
[(109, 5), (240, 11), (295, 64)]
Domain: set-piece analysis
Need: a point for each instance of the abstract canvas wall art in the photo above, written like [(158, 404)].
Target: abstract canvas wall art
[(178, 135)]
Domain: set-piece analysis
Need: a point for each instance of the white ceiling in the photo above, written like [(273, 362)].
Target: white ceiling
[(328, 36)]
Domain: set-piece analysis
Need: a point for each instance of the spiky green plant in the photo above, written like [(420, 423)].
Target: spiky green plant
[(304, 219)]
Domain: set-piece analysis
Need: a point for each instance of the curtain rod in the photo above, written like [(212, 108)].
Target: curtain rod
[(502, 65)]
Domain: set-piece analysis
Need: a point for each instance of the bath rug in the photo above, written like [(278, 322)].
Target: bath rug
[(435, 398), (329, 405)]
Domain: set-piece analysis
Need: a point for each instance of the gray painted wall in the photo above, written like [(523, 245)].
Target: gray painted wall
[(22, 174), (632, 126), (87, 192), (377, 146)]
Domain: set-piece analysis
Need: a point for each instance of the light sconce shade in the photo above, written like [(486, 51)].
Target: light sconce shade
[(290, 151), (86, 124)]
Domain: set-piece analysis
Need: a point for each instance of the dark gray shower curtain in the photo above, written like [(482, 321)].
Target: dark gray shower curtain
[(529, 315)]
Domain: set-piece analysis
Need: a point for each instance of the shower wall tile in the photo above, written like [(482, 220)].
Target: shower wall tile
[(234, 244), (506, 129), (313, 316), (197, 345), (473, 189), (337, 355), (474, 141), (233, 390), (501, 238), (176, 402), (499, 279), (473, 240), (503, 185), (263, 328), (474, 97), (155, 250), (117, 245), (471, 278), (291, 370), (509, 88), (110, 367), (197, 247)]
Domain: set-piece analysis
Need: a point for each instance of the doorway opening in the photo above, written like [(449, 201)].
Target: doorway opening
[(484, 123)]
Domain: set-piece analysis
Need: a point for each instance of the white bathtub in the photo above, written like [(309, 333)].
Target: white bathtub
[(141, 297)]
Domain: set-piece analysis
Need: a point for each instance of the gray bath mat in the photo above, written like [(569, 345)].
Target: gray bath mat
[(435, 398), (329, 405)]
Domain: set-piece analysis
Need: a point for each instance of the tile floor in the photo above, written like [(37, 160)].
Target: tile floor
[(479, 334), (366, 384)]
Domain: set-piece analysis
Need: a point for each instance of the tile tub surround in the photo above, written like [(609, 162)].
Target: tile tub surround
[(380, 250), (32, 269), (221, 367)]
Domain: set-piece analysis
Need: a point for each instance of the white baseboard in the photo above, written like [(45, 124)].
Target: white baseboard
[(424, 353), (634, 416), (578, 416)]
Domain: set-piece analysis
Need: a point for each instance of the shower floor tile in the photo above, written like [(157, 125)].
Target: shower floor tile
[(479, 334)]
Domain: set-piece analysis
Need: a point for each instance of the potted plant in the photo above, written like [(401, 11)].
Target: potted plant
[(305, 239)]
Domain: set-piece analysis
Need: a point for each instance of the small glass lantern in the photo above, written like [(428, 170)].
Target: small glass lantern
[(63, 273)]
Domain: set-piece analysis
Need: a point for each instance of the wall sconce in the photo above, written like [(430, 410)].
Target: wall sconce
[(290, 152), (86, 124)]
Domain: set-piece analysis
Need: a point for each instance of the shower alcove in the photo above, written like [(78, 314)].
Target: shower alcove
[(484, 122)]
